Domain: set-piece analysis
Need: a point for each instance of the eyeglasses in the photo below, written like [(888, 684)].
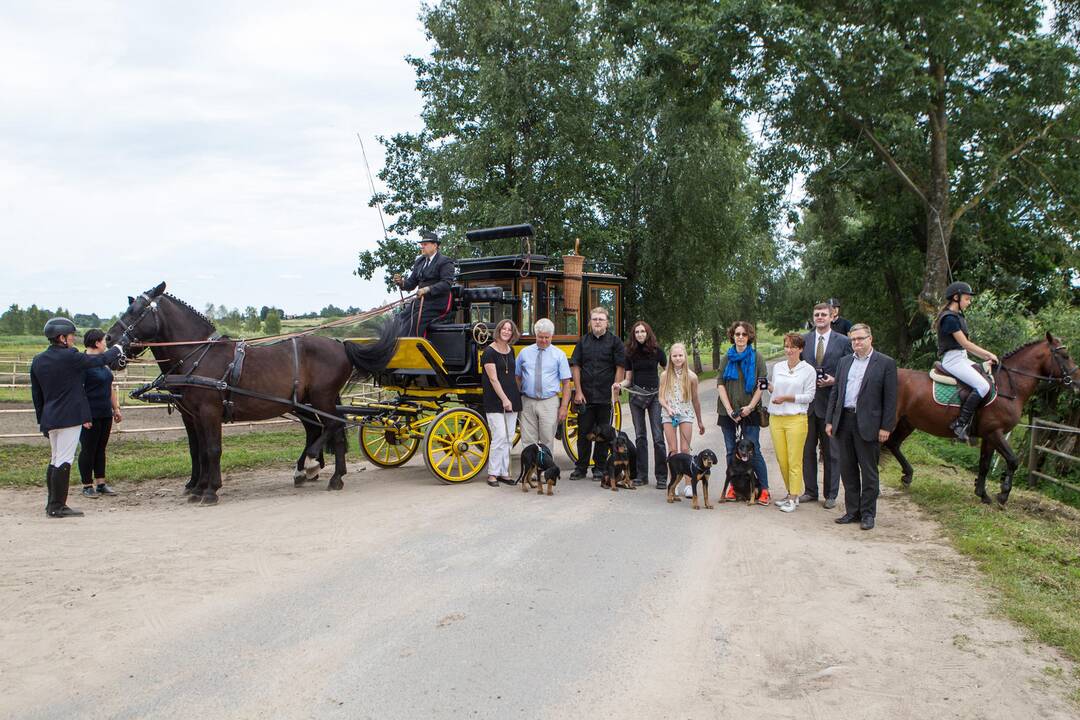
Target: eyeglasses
[(821, 314), (741, 334), (859, 339)]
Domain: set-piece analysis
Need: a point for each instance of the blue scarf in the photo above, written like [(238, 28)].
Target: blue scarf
[(745, 361)]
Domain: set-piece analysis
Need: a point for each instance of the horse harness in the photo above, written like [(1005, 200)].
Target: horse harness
[(1066, 378)]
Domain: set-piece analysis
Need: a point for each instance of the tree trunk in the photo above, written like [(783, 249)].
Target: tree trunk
[(715, 346), (896, 299), (939, 224), (696, 353)]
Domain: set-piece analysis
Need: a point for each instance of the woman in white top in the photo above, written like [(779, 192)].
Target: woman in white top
[(792, 383), (679, 404)]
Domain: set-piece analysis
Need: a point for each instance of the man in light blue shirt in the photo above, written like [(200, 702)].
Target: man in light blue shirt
[(542, 372)]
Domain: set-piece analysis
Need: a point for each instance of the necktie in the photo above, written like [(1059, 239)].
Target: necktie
[(538, 385), (427, 264), (820, 350)]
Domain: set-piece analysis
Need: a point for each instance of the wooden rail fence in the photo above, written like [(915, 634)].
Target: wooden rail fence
[(1035, 450)]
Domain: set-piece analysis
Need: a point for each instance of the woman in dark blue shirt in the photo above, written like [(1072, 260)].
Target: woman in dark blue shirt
[(644, 360), (104, 410)]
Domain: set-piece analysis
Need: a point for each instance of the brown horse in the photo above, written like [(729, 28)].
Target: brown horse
[(269, 380), (1017, 377)]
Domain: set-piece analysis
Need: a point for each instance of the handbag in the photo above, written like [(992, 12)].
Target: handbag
[(764, 415)]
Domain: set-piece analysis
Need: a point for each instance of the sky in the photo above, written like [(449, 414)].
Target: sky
[(212, 145)]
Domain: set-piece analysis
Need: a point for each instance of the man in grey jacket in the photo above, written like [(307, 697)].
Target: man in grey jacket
[(824, 350)]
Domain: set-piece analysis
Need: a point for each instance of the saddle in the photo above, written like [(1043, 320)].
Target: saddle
[(949, 391)]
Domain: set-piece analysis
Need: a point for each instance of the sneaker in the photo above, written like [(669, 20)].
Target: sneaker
[(807, 498), (90, 492), (789, 506), (781, 501), (763, 499), (104, 489), (830, 503), (730, 495), (661, 484), (688, 491), (577, 475)]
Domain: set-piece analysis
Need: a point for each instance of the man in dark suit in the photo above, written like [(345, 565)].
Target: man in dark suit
[(823, 350), (861, 416), (432, 275)]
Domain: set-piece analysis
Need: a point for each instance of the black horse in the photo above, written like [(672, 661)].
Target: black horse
[(269, 380)]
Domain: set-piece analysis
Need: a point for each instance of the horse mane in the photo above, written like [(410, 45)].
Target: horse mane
[(1022, 347), (192, 310)]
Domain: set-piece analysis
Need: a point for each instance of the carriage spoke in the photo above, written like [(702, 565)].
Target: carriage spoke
[(465, 460)]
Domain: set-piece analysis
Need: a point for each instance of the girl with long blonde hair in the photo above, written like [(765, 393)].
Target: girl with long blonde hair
[(679, 404)]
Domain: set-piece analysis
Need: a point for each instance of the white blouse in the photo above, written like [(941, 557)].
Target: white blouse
[(800, 381)]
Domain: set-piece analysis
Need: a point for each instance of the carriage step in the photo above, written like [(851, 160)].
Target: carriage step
[(358, 410)]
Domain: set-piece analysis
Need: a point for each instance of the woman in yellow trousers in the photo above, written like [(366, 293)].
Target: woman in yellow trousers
[(792, 383)]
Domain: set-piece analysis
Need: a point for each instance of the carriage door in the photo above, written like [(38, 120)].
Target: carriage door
[(606, 295)]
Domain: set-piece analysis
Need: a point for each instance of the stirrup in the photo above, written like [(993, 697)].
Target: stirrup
[(960, 430)]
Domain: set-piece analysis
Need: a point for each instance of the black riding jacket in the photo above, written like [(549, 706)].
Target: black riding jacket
[(949, 321), (56, 383)]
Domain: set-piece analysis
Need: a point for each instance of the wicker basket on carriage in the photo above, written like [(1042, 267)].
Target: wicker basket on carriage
[(572, 268)]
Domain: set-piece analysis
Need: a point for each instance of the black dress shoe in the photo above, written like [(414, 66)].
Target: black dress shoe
[(638, 482), (66, 512), (867, 523), (846, 519), (577, 475)]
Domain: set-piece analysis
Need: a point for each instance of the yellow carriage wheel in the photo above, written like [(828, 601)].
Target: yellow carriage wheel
[(387, 444), (456, 445), (569, 430)]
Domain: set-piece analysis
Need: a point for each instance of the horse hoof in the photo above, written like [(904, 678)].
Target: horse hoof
[(906, 480), (1002, 498), (985, 499), (337, 484), (194, 497), (209, 499), (299, 478)]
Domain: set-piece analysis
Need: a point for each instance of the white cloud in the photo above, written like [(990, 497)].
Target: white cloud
[(208, 144)]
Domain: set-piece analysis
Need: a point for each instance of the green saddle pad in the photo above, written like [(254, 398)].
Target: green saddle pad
[(950, 394)]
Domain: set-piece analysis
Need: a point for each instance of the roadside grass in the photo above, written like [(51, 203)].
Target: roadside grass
[(1029, 552), (138, 460)]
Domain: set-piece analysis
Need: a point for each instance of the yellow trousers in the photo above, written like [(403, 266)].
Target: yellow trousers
[(788, 437)]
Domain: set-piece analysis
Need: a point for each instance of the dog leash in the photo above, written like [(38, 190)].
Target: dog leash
[(642, 392)]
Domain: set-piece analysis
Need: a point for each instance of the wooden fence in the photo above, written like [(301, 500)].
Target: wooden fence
[(1035, 450)]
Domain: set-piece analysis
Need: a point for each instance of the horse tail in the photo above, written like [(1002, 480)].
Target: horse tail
[(371, 357)]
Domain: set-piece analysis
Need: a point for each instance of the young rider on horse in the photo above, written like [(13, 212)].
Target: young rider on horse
[(953, 347)]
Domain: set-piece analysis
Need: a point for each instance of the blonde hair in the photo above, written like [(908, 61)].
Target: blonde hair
[(668, 378)]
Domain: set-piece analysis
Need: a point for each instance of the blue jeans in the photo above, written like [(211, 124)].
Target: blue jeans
[(751, 433)]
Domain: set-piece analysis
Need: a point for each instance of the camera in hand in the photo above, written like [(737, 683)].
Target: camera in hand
[(735, 414), (821, 373), (762, 384)]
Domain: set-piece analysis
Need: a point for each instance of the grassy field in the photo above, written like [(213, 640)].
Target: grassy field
[(1028, 552)]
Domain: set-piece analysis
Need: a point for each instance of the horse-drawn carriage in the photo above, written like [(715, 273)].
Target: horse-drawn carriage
[(435, 381)]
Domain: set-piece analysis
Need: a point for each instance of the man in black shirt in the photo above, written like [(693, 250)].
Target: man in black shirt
[(599, 361), (839, 324)]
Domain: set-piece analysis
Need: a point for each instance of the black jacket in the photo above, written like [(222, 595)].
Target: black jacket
[(837, 348), (56, 383), (875, 408), (437, 276), (598, 358)]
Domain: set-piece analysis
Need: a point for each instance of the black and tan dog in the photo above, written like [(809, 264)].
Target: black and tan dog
[(696, 469), (608, 435), (619, 469), (537, 461), (740, 474)]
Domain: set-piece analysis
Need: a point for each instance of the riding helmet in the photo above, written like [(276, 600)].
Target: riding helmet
[(57, 327), (958, 288)]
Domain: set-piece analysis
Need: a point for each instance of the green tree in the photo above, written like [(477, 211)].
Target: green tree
[(13, 321), (272, 325)]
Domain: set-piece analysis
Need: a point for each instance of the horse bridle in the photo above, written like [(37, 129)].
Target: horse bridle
[(132, 338), (1066, 378)]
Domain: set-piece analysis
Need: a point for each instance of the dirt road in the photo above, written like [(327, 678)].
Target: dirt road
[(400, 597)]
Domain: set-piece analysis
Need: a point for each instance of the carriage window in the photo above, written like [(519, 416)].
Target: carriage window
[(566, 321), (528, 305), (491, 313), (607, 296)]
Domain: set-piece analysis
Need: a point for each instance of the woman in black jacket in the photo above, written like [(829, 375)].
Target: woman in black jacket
[(104, 411), (56, 383)]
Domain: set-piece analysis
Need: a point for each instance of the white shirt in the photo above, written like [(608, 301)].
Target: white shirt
[(854, 379), (824, 339), (800, 381)]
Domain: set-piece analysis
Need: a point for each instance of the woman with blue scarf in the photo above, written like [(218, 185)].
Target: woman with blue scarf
[(737, 384)]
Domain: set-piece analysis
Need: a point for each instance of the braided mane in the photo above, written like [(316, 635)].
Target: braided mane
[(191, 309), (1022, 347)]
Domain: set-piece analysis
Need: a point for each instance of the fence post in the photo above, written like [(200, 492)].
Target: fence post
[(1033, 461)]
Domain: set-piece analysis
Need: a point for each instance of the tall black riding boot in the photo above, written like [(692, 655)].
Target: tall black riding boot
[(961, 425), (61, 478), (49, 487)]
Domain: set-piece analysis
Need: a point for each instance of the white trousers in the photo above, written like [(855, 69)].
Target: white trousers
[(63, 442), (501, 426), (959, 366)]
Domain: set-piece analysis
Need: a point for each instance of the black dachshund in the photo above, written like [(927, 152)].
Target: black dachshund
[(696, 468), (537, 460), (740, 474), (620, 466)]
